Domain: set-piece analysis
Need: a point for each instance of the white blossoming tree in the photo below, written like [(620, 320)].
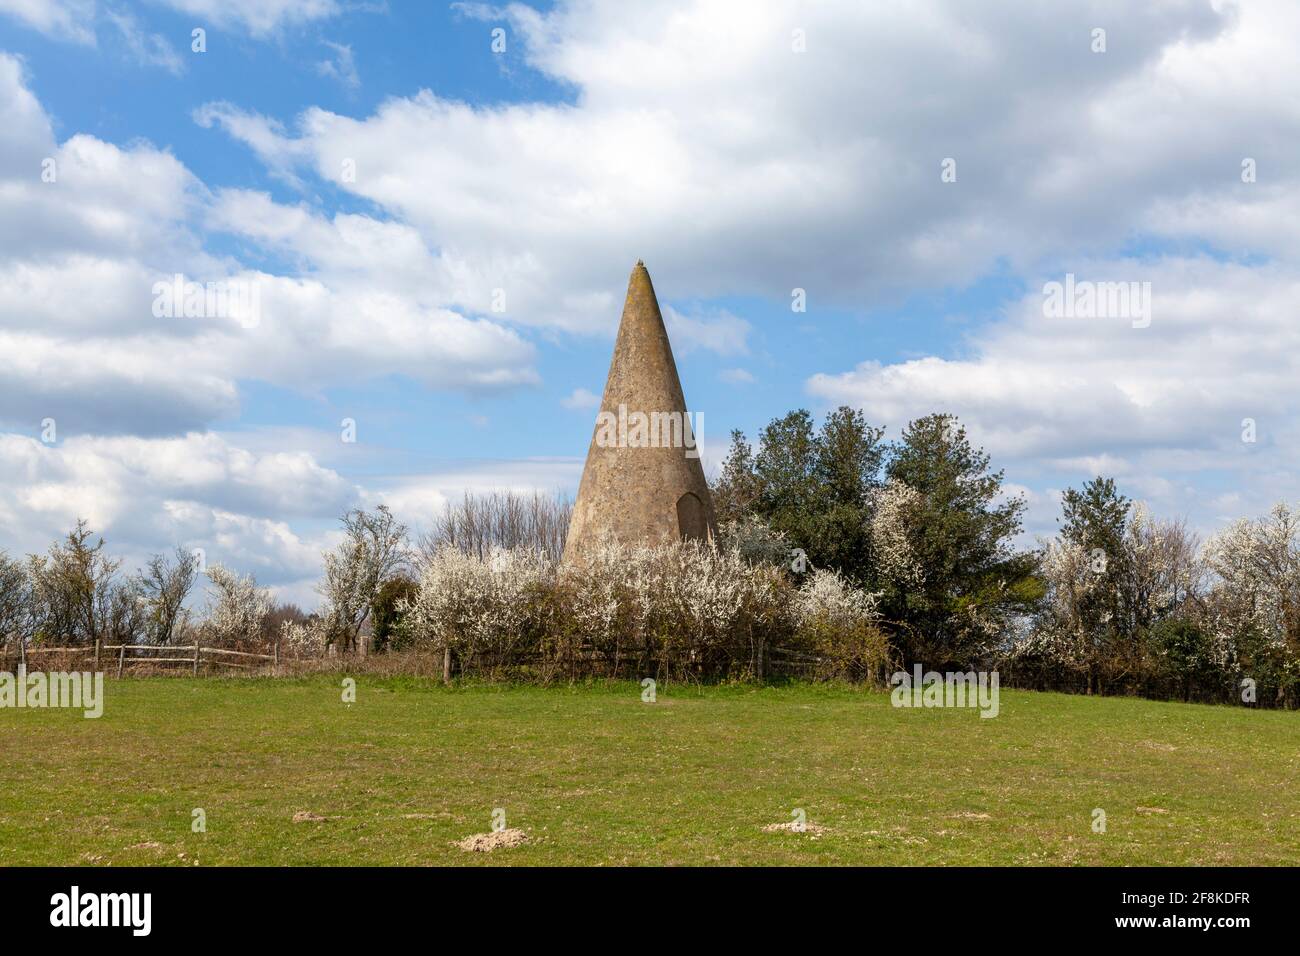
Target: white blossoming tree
[(237, 608), (373, 549)]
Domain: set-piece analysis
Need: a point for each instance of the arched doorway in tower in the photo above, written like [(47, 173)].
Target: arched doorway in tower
[(690, 518)]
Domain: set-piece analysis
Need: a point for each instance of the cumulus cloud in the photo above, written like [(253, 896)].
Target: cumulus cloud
[(147, 495), (1097, 395), (1221, 339), (83, 340), (243, 501), (700, 141), (129, 391), (114, 471)]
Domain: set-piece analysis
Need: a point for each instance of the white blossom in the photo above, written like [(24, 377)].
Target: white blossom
[(238, 607), (892, 519)]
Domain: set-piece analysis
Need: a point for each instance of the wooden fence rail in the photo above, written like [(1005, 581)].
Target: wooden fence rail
[(780, 659), (197, 655)]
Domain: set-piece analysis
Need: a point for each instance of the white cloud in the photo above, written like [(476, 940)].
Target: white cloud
[(247, 505), (1222, 343), (671, 151), (265, 136), (581, 398), (419, 500), (146, 495), (132, 395), (76, 21), (736, 376), (147, 49), (341, 66), (259, 17), (716, 330), (79, 339), (1158, 406), (61, 19)]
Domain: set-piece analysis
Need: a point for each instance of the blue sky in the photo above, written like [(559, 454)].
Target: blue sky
[(742, 150)]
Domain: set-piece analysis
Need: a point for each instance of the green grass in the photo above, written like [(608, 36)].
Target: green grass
[(595, 776)]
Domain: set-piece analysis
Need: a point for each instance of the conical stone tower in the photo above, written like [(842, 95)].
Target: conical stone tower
[(643, 481)]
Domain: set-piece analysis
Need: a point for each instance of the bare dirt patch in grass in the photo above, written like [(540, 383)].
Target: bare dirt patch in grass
[(496, 840), (814, 830), (306, 816)]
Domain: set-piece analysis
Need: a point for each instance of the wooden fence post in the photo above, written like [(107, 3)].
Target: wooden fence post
[(121, 660), (96, 653), (276, 657), (446, 665), (196, 658)]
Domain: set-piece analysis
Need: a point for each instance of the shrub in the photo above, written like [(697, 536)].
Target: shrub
[(680, 610), (238, 608), (386, 617), (601, 619), (1183, 657), (304, 638), (756, 541), (837, 623), (486, 612)]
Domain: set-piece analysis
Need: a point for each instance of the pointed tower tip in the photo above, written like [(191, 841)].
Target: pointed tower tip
[(638, 283)]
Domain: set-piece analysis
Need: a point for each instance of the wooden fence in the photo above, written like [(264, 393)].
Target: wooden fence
[(196, 655)]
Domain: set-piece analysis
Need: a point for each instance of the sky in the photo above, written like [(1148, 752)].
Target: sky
[(438, 206)]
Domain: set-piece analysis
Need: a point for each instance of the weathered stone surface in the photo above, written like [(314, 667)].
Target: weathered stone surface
[(640, 494)]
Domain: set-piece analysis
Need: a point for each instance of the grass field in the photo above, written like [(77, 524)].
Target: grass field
[(595, 776)]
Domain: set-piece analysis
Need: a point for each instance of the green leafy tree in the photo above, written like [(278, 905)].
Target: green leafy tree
[(783, 467), (967, 585), (1096, 519), (846, 473), (811, 487), (1096, 516), (1184, 654), (389, 609), (735, 492)]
